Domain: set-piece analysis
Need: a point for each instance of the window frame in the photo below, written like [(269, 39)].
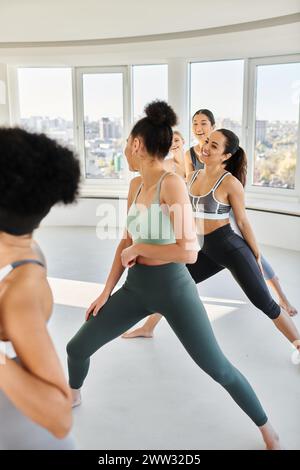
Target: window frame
[(250, 129), (244, 101), (132, 67), (91, 186), (116, 188), (248, 121), (14, 96)]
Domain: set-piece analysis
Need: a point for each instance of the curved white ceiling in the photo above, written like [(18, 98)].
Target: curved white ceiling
[(67, 20)]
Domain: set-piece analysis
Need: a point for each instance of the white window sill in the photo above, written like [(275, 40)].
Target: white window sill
[(290, 207), (279, 207), (101, 192)]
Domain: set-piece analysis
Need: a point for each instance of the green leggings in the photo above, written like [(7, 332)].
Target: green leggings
[(170, 290)]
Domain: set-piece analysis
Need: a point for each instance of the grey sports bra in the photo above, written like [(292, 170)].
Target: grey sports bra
[(10, 267), (207, 206)]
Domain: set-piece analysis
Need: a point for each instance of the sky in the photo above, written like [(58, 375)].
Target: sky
[(218, 86), (48, 92), (214, 85), (278, 91)]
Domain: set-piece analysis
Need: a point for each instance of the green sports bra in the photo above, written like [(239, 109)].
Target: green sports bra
[(151, 225)]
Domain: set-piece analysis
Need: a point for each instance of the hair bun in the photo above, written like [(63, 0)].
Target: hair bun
[(161, 114)]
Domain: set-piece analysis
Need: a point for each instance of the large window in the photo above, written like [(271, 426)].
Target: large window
[(262, 108), (45, 97), (150, 82), (276, 125), (218, 86), (103, 124)]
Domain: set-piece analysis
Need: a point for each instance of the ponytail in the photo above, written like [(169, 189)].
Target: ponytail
[(237, 163)]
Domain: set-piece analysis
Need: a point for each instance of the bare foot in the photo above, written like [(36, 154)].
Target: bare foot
[(274, 445), (76, 397), (297, 346), (138, 333), (270, 437), (285, 304)]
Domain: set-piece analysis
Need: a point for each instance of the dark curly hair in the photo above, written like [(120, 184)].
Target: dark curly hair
[(35, 173), (156, 128)]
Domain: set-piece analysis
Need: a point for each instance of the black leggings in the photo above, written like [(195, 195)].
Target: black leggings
[(223, 248)]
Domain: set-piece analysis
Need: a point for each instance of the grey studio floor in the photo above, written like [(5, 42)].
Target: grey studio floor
[(148, 393)]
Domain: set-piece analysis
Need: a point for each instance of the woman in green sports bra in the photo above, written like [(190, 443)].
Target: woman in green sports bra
[(155, 247)]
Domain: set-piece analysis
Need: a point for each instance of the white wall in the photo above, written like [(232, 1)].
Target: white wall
[(89, 212), (282, 231), (278, 230), (4, 108)]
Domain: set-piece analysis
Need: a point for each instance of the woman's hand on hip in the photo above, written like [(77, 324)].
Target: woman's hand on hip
[(128, 257)]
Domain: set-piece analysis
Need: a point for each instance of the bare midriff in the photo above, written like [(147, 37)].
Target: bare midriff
[(204, 227)]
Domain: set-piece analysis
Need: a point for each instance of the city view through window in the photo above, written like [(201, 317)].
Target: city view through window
[(103, 125), (103, 111), (218, 86), (45, 99), (276, 125), (46, 105)]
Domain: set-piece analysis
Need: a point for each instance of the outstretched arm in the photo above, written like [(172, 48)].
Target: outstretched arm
[(236, 196)]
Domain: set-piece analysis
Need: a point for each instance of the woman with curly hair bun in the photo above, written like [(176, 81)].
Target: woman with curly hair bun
[(155, 248)]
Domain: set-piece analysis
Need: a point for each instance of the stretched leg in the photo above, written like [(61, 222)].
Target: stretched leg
[(282, 298), (273, 281), (204, 268), (122, 310), (244, 268), (201, 270), (188, 319), (146, 330), (269, 275)]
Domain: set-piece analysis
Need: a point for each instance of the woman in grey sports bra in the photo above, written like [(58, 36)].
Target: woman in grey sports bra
[(35, 400), (221, 247), (203, 123)]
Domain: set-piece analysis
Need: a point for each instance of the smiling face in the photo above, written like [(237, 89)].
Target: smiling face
[(213, 150), (177, 143), (201, 127)]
